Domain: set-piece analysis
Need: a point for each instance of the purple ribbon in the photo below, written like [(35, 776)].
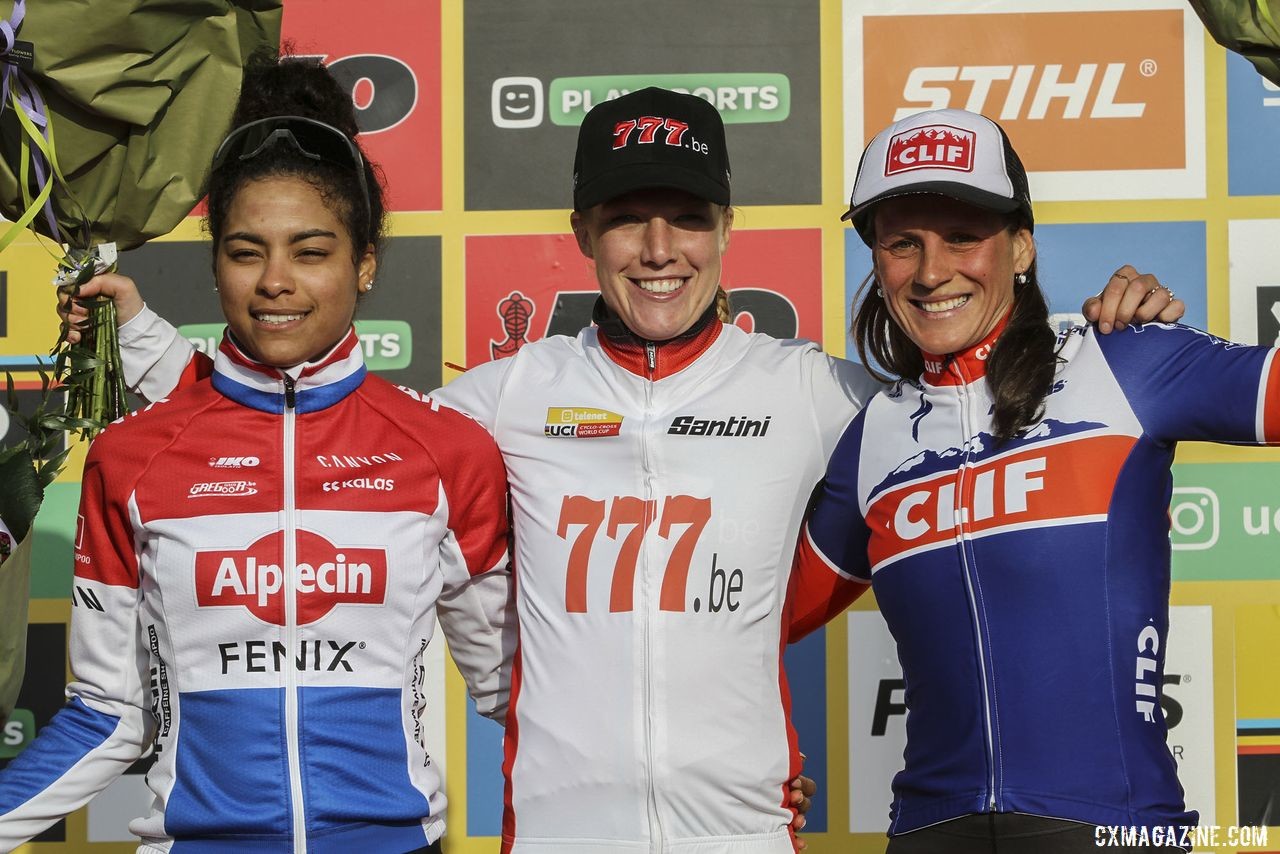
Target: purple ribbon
[(16, 81)]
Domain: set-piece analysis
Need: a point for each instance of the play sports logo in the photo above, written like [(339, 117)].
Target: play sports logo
[(1074, 87), (522, 102)]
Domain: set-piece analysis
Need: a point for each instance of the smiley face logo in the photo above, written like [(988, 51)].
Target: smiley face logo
[(517, 102)]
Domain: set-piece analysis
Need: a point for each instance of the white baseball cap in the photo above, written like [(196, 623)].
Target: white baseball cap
[(952, 153)]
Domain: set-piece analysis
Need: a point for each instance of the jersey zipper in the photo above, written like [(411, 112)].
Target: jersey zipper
[(961, 522), (657, 843), (291, 622)]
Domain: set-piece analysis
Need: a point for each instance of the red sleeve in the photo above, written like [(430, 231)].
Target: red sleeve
[(817, 592)]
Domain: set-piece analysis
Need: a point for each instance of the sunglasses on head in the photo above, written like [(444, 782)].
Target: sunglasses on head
[(310, 138)]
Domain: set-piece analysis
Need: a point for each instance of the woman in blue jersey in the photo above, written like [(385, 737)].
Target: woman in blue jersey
[(1007, 498)]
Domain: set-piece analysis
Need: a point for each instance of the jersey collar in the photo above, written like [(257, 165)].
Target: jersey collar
[(317, 385), (633, 353), (966, 366)]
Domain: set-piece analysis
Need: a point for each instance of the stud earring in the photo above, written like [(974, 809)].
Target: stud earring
[(879, 292), (1020, 279)]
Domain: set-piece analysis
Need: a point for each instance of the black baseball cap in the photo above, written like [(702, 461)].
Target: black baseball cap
[(650, 138), (948, 152)]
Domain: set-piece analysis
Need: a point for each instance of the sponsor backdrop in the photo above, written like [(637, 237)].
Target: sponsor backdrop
[(1146, 144)]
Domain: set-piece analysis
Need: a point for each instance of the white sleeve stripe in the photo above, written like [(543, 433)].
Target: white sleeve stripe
[(829, 563)]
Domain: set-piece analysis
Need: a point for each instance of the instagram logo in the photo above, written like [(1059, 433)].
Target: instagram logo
[(1193, 518)]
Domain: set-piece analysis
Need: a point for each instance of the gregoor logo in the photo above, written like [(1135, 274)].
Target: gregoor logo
[(323, 576), (932, 147), (224, 489)]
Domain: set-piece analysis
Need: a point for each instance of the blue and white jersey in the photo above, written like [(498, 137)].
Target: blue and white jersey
[(1027, 582)]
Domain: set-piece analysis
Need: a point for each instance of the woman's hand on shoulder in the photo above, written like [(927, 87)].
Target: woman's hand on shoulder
[(1132, 297), (121, 289)]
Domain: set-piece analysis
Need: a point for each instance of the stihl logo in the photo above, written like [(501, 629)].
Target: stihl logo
[(323, 576), (1026, 488), (1071, 88), (234, 462), (933, 147), (1024, 91)]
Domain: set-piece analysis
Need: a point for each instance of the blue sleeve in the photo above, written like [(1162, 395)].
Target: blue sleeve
[(1185, 384), (836, 527)]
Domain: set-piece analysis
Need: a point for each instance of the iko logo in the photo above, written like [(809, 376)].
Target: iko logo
[(1051, 85), (687, 425), (1145, 687), (933, 147), (225, 489), (1193, 518), (234, 462), (323, 576), (517, 102)]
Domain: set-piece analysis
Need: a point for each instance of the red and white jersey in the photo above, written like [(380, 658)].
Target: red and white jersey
[(259, 565), (656, 496)]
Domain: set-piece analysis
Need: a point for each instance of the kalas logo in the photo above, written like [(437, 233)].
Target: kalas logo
[(324, 576), (932, 147)]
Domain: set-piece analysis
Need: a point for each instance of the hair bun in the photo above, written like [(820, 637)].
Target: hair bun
[(287, 85)]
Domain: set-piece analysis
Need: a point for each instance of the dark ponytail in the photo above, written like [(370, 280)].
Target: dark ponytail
[(291, 86), (1021, 367)]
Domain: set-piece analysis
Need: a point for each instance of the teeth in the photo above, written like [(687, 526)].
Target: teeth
[(278, 318), (660, 286), (944, 305)]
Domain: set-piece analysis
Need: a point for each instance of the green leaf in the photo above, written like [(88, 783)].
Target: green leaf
[(20, 495)]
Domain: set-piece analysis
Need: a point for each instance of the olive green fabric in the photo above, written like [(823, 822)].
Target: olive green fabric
[(140, 92), (1251, 28), (15, 586)]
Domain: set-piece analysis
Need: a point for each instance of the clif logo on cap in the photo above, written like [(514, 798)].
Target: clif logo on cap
[(931, 147)]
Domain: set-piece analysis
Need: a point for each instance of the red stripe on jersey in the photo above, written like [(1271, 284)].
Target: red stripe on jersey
[(1032, 487), (794, 762), (1271, 402), (510, 746)]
